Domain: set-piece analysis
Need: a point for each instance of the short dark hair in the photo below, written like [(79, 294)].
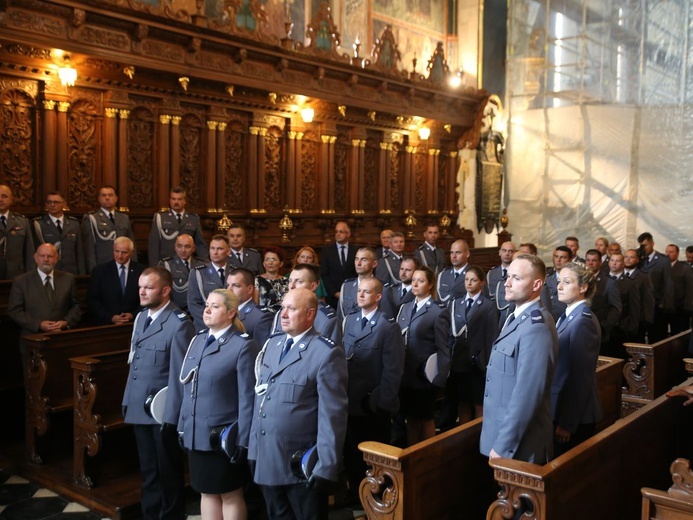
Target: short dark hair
[(411, 258), (574, 239), (689, 249), (178, 189), (593, 252), (477, 271), (163, 274), (532, 248), (644, 236), (248, 276), (538, 265), (674, 245), (565, 249), (312, 269), (220, 237), (107, 187)]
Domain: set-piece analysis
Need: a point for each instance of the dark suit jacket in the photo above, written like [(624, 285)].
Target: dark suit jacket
[(105, 297), (333, 273), (574, 396), (16, 247), (28, 304), (392, 299), (68, 243), (659, 271), (473, 332)]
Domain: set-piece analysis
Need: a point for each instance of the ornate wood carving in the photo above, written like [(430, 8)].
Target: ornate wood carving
[(395, 157), (419, 162), (682, 478), (341, 154), (371, 174), (309, 170), (191, 128), (17, 143), (638, 373), (380, 490), (83, 157), (274, 179), (235, 196), (441, 176), (86, 426), (36, 404), (514, 500), (386, 55), (141, 138), (323, 34)]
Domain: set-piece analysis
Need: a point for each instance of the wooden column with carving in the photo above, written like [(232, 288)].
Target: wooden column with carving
[(293, 162), (165, 183), (175, 150), (451, 194), (355, 177), (49, 158), (253, 170), (408, 183), (110, 157), (221, 164), (123, 158), (213, 199), (433, 181), (384, 180), (62, 144), (326, 173), (260, 193)]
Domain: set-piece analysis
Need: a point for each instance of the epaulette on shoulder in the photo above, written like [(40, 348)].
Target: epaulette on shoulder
[(243, 335), (440, 304), (182, 316), (390, 319), (201, 331), (327, 341), (18, 215), (200, 266), (391, 284), (327, 311), (251, 249), (70, 217), (536, 316), (350, 280), (354, 311), (167, 259), (274, 335), (587, 313), (264, 309), (421, 246), (494, 268), (37, 219)]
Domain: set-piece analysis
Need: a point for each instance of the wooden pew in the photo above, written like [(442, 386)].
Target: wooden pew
[(602, 477), (677, 502), (442, 476), (651, 370), (48, 379), (99, 382)]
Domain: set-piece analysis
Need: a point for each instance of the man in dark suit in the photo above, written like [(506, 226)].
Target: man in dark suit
[(689, 255), (629, 323), (384, 248), (44, 299), (240, 256), (63, 232), (180, 266), (16, 243), (204, 279), (337, 263), (658, 267), (375, 358), (301, 402), (102, 226), (606, 302), (450, 282), (112, 296), (573, 244), (429, 253), (645, 290), (682, 278), (257, 321), (160, 337), (169, 224), (517, 399)]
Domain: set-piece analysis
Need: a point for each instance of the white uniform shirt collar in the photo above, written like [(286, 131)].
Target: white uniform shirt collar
[(519, 310), (573, 306), (156, 314), (44, 275)]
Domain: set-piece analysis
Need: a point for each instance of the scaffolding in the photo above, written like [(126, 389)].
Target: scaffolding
[(599, 94)]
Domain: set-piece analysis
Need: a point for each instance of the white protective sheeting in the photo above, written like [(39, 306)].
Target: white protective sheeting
[(601, 122)]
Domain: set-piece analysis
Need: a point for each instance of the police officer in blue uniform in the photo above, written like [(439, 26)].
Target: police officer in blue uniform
[(180, 266), (517, 398), (160, 337), (204, 279), (256, 321), (16, 243), (300, 402), (451, 280), (365, 263), (240, 256), (217, 380), (63, 232), (374, 349), (167, 225)]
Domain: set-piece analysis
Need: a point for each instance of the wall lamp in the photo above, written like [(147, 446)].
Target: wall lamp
[(67, 73), (307, 115), (424, 133)]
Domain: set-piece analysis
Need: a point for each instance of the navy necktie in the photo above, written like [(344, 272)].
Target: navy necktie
[(122, 278), (179, 218), (509, 319), (469, 306), (404, 292), (111, 217), (343, 255), (3, 219), (187, 264), (147, 323), (221, 275), (504, 274), (59, 226), (210, 339), (285, 350), (561, 318), (49, 289), (364, 321)]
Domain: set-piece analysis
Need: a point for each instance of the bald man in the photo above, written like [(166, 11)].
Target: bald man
[(495, 284)]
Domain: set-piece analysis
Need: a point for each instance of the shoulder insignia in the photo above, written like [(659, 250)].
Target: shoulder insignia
[(327, 311), (442, 305), (274, 335), (421, 246), (536, 316), (247, 309), (587, 313), (167, 259), (327, 341), (202, 331), (389, 319), (19, 215), (182, 316), (354, 311), (391, 284), (38, 219), (200, 266), (251, 249), (70, 217), (244, 335)]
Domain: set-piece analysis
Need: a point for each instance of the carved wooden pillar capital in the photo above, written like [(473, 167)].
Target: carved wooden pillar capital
[(165, 119), (175, 120), (63, 106), (212, 125), (111, 113), (221, 126), (49, 104)]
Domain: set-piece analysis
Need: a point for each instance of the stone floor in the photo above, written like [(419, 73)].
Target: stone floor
[(22, 500)]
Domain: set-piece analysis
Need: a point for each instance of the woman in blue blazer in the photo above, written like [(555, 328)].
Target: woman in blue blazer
[(425, 325), (574, 399), (218, 381), (474, 328)]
